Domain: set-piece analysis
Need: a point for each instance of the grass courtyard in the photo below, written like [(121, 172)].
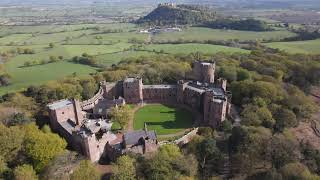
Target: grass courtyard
[(163, 119)]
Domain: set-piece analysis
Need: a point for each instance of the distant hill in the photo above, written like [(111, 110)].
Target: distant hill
[(170, 14), (195, 15)]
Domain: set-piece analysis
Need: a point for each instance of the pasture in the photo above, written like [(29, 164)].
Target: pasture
[(308, 47), (109, 43), (163, 119), (193, 47), (202, 34), (40, 74)]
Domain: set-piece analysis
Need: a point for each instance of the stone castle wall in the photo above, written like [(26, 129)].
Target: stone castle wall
[(160, 94)]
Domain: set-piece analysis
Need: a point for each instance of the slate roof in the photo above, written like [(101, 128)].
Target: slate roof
[(132, 138)]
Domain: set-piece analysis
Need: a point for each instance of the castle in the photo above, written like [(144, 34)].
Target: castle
[(173, 5), (87, 127)]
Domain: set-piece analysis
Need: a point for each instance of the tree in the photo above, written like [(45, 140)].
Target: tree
[(26, 104), (5, 80), (85, 171), (59, 167), (296, 171), (51, 45), (169, 163), (243, 74), (248, 147), (266, 175), (256, 116), (42, 147), (124, 168), (285, 118), (27, 64), (282, 151), (209, 157), (89, 88), (24, 172), (11, 140), (53, 59), (226, 126), (207, 132), (18, 119), (121, 114), (3, 167)]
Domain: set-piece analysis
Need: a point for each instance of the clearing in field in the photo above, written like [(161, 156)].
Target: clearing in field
[(308, 47), (163, 119)]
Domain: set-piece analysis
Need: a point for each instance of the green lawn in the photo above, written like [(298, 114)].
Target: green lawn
[(163, 119), (308, 47), (201, 34)]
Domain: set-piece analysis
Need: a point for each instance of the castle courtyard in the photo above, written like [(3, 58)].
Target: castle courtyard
[(163, 119)]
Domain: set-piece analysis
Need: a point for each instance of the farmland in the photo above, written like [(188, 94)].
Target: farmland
[(201, 34), (309, 47), (193, 47), (109, 44)]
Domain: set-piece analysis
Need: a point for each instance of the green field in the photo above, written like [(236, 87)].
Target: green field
[(40, 74), (163, 119), (113, 58), (309, 47), (193, 47), (201, 34), (97, 40), (109, 38)]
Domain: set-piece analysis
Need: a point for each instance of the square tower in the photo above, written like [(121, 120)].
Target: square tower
[(132, 90)]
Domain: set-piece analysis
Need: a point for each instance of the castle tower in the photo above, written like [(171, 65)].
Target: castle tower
[(208, 70), (132, 90), (214, 110), (204, 71), (181, 85), (91, 148)]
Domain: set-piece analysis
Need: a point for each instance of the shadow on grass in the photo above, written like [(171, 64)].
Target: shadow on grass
[(182, 120)]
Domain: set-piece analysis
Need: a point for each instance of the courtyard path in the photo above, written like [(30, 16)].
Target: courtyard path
[(130, 123)]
